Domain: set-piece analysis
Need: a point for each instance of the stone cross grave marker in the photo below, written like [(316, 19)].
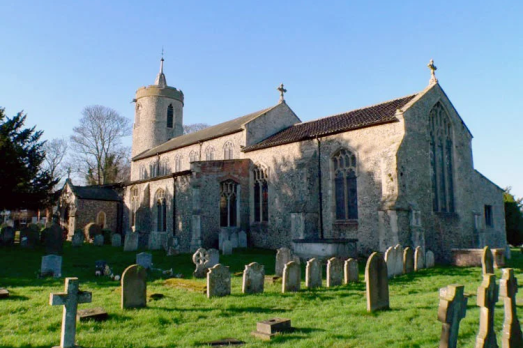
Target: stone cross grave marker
[(131, 242), (508, 287), (452, 308), (486, 300), (218, 281), (429, 259), (398, 257), (98, 240), (377, 283), (313, 273), (116, 240), (351, 271), (390, 260), (145, 260), (51, 265), (334, 272), (134, 287), (408, 260), (487, 261), (242, 239), (291, 277), (419, 259), (200, 259), (283, 256), (70, 300), (253, 278)]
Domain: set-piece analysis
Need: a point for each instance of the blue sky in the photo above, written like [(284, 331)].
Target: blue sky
[(229, 56)]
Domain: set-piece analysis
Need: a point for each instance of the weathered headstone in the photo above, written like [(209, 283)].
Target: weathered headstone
[(77, 240), (51, 265), (91, 230), (452, 308), (227, 247), (390, 260), (334, 272), (508, 287), (53, 239), (283, 256), (116, 240), (4, 293), (234, 239), (29, 238), (487, 261), (408, 260), (419, 259), (200, 259), (70, 300), (134, 287), (377, 283), (253, 278), (145, 260), (486, 300), (429, 259), (242, 239), (98, 240), (222, 237), (350, 271), (214, 258), (95, 314), (398, 257), (131, 242), (7, 236), (313, 273), (218, 281), (291, 277)]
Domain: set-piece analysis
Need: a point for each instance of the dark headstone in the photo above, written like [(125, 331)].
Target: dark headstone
[(51, 266), (96, 314), (7, 236), (29, 237), (53, 240), (91, 230)]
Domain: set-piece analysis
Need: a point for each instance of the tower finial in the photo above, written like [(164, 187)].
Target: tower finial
[(161, 81), (433, 69), (282, 90)]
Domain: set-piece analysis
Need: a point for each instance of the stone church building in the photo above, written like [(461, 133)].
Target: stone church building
[(400, 171)]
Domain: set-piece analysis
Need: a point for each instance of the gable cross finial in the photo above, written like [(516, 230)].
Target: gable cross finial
[(433, 69), (282, 90)]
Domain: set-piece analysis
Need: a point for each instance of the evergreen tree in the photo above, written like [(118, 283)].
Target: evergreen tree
[(513, 218)]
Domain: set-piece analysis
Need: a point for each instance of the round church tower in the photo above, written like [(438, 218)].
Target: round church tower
[(158, 114)]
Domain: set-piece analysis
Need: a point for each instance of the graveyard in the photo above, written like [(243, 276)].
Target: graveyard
[(179, 314)]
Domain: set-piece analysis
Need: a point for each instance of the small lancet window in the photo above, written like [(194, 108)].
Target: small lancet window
[(161, 211), (170, 116), (228, 203), (228, 151), (261, 194)]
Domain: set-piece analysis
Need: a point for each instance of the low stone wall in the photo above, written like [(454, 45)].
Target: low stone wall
[(472, 257), (325, 248)]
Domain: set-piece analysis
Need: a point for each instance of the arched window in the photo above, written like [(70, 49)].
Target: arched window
[(345, 185), (228, 152), (441, 157), (170, 116), (100, 219), (261, 193), (209, 153), (178, 163), (143, 172), (193, 156), (134, 204), (228, 203), (161, 211)]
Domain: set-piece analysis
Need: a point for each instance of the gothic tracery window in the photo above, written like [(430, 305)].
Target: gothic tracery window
[(228, 152), (170, 116), (193, 156), (161, 211), (178, 163), (228, 203), (261, 193), (134, 205), (441, 157), (209, 153), (345, 185)]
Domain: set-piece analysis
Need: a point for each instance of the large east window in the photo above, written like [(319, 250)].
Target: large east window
[(345, 185), (261, 194), (228, 203)]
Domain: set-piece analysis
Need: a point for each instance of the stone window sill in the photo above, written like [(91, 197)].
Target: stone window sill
[(346, 223)]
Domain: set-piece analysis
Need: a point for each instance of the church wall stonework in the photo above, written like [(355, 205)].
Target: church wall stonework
[(275, 120), (87, 211)]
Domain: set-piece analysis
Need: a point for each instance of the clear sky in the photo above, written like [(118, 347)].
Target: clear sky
[(229, 56)]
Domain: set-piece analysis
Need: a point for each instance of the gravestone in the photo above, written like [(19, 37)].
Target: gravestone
[(95, 314), (408, 260), (4, 293), (145, 260), (253, 278), (70, 300), (218, 281), (291, 277), (429, 259), (486, 300), (283, 256), (98, 240), (200, 259), (334, 272), (91, 230), (350, 271), (155, 240), (234, 239), (391, 261), (77, 240), (268, 329), (452, 308), (53, 239), (508, 287), (131, 242), (487, 261), (222, 237), (227, 247), (419, 259), (134, 287), (51, 265), (398, 257), (313, 273), (214, 258), (7, 236), (377, 283), (116, 240), (29, 238), (242, 239)]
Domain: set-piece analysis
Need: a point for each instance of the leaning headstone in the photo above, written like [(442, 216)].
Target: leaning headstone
[(253, 278), (377, 283), (291, 277), (131, 242), (508, 287), (391, 261), (116, 240), (227, 247), (134, 287), (419, 259), (452, 308), (334, 272), (487, 298), (145, 260), (350, 271), (77, 240), (200, 259), (313, 273), (7, 236), (53, 240), (429, 259), (91, 230), (234, 239), (487, 261), (242, 239), (408, 260), (218, 281), (214, 258), (283, 256), (70, 300), (51, 265), (98, 240), (398, 257), (95, 314), (29, 238)]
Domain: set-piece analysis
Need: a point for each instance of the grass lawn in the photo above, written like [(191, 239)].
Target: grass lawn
[(334, 317)]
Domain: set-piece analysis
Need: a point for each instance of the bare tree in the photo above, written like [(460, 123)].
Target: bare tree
[(55, 151), (195, 127), (97, 143)]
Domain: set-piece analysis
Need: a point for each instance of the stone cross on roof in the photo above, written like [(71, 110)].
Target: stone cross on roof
[(282, 90), (452, 308), (70, 300), (433, 69)]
